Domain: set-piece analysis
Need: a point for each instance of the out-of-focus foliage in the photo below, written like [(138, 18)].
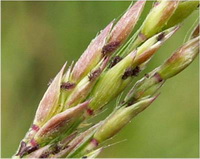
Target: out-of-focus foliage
[(38, 37)]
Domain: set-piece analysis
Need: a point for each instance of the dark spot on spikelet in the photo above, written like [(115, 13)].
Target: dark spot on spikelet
[(94, 74), (67, 85), (131, 72), (114, 61), (111, 47)]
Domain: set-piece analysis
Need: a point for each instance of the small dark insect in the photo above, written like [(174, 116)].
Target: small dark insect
[(161, 36), (131, 72), (110, 47), (115, 60), (94, 74), (67, 85), (84, 157)]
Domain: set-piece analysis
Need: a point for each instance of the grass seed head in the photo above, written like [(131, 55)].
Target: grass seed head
[(184, 9), (109, 83), (158, 17), (59, 124), (180, 59), (149, 84), (49, 101), (125, 25), (149, 47), (116, 121), (92, 55)]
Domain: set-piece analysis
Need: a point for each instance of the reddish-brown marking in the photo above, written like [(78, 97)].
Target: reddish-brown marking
[(136, 71), (131, 72), (22, 149), (158, 77), (115, 60), (67, 85), (90, 111), (33, 142), (95, 142), (35, 127), (94, 74), (161, 36), (110, 47), (30, 149)]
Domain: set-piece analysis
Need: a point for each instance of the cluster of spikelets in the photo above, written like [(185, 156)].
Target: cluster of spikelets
[(105, 69)]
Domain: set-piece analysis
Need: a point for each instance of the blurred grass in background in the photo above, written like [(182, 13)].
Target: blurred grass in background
[(38, 37)]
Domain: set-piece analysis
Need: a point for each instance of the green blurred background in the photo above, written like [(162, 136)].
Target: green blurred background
[(38, 37)]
